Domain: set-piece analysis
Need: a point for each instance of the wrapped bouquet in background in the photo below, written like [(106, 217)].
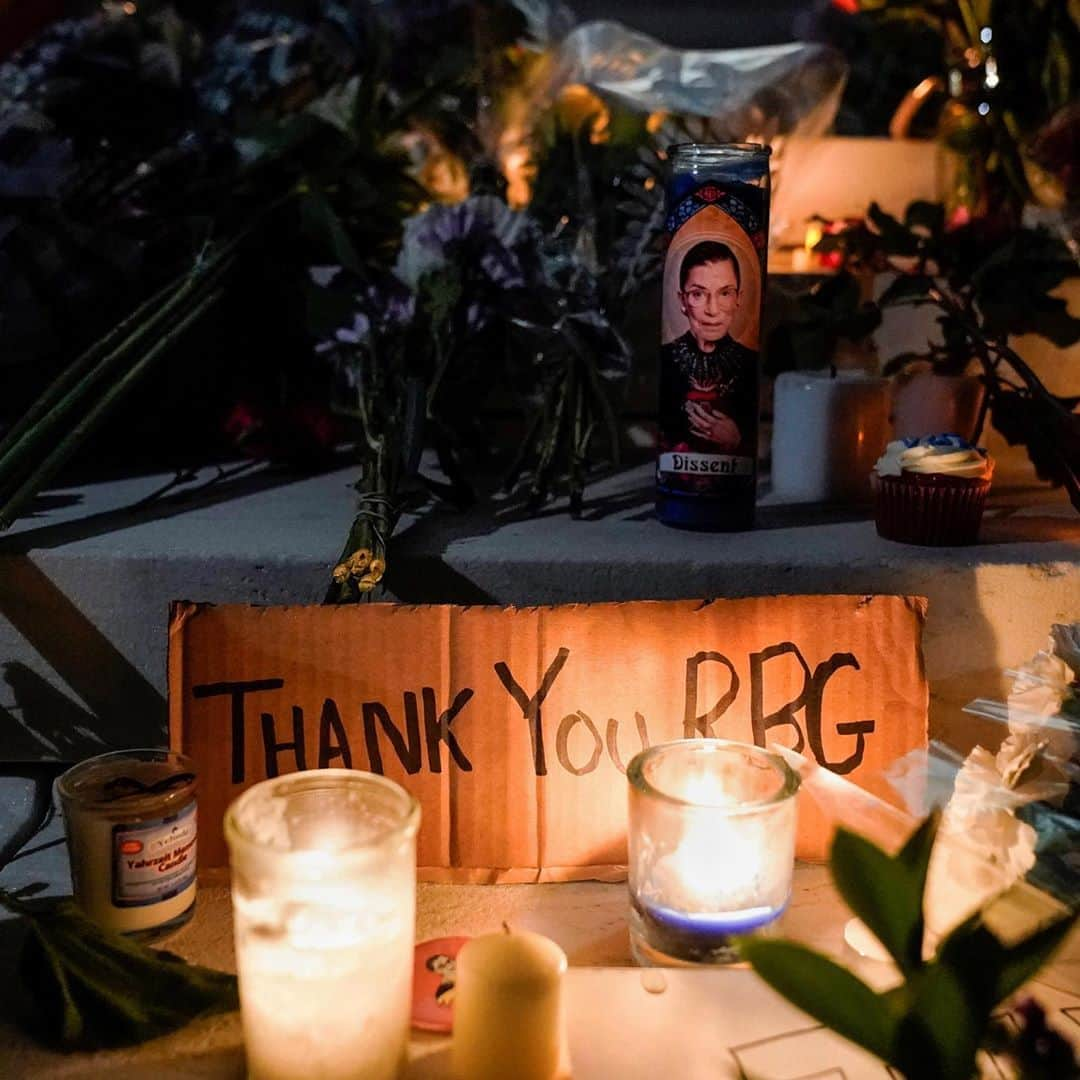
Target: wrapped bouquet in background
[(1013, 811)]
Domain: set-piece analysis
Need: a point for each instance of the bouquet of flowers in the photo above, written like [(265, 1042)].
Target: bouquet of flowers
[(439, 234)]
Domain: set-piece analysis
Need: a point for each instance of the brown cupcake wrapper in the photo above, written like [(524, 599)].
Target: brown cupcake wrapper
[(936, 511)]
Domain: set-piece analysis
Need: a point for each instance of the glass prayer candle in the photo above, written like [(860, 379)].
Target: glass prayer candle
[(712, 848), (324, 899), (131, 824)]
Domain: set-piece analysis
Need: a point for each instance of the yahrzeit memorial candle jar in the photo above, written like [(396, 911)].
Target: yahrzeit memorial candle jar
[(131, 824), (324, 900), (712, 848)]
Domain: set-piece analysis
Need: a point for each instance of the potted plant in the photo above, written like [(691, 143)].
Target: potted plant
[(938, 389), (830, 408), (989, 283)]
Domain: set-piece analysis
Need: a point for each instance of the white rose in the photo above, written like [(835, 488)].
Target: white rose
[(1039, 688), (976, 857), (1035, 704), (982, 848), (1017, 754)]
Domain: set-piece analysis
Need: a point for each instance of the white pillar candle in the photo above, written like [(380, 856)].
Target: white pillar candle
[(508, 1008), (827, 433), (324, 886)]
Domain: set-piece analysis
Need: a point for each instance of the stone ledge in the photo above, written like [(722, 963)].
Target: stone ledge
[(86, 581)]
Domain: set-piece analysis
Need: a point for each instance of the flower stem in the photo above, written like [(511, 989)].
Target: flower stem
[(74, 386), (67, 446)]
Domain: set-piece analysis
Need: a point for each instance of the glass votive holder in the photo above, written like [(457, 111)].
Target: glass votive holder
[(324, 902), (712, 848), (132, 828)]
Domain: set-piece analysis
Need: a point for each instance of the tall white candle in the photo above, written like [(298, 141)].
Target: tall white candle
[(827, 433), (324, 906), (508, 1008)]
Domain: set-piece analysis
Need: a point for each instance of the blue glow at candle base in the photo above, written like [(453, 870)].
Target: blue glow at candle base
[(662, 935), (711, 846)]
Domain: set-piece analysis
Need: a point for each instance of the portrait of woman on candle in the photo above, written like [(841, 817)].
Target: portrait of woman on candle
[(708, 400)]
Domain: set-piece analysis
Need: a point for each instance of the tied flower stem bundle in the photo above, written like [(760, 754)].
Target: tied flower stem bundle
[(383, 378)]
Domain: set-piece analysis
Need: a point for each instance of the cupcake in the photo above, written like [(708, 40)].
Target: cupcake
[(931, 490)]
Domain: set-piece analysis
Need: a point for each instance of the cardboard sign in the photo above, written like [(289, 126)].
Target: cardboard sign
[(514, 727)]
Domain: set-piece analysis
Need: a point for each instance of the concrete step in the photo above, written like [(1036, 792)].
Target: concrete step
[(85, 582)]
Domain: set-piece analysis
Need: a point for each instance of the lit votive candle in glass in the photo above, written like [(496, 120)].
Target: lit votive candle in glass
[(712, 848), (324, 902)]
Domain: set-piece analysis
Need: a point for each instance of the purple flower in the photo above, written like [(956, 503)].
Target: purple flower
[(481, 234), (368, 308)]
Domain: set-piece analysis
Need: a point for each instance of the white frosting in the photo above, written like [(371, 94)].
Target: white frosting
[(947, 454)]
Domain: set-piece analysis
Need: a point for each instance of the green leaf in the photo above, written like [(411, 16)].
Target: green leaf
[(976, 956), (940, 1033), (825, 990), (337, 107), (886, 892), (1022, 961), (926, 215), (914, 856), (907, 289), (320, 221), (90, 988), (438, 292), (898, 239)]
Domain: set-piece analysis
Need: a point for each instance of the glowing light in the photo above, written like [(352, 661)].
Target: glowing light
[(986, 35), (518, 170), (984, 108), (445, 177), (580, 108), (719, 865)]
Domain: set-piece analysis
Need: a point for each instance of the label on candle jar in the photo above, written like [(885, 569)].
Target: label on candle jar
[(154, 860)]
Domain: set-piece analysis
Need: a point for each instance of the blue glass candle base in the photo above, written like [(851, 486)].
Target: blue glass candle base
[(663, 937)]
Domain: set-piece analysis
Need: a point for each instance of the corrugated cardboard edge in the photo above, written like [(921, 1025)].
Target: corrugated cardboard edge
[(182, 610), (179, 613)]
